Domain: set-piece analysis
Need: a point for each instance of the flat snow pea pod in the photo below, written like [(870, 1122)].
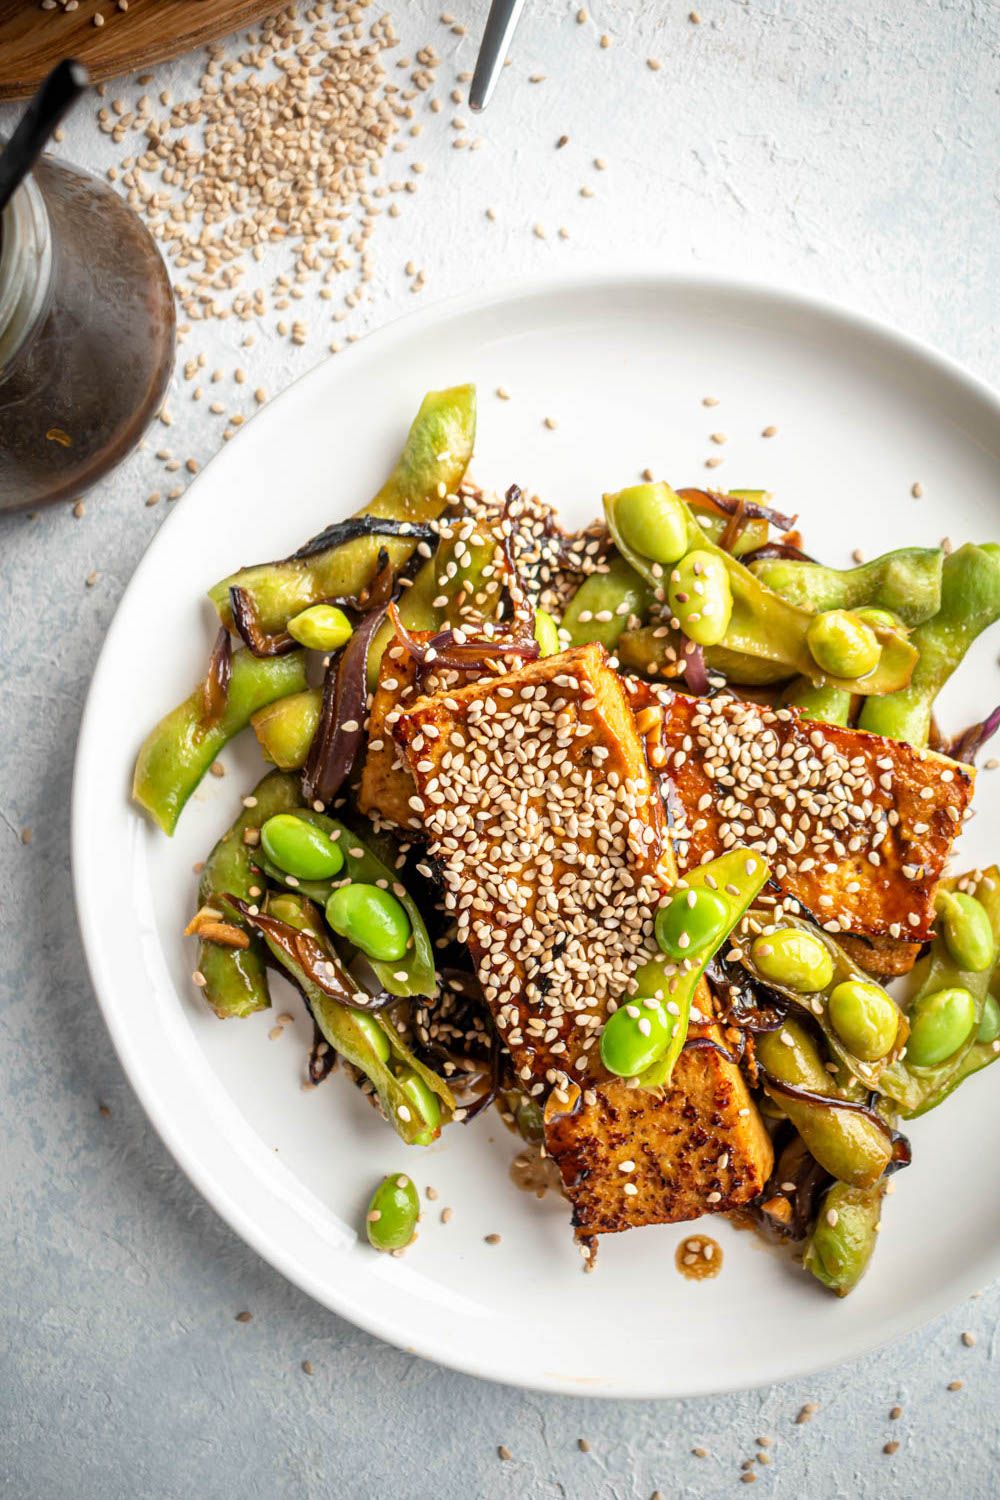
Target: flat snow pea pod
[(321, 627), (430, 467), (603, 605), (965, 927), (735, 878), (906, 582), (940, 1023), (844, 1235), (837, 969), (917, 1089), (393, 1213), (827, 705), (235, 978), (657, 651), (970, 601), (842, 644), (349, 1032), (700, 597), (300, 848), (362, 865), (763, 624), (648, 522), (846, 1142), (285, 728), (177, 753), (425, 1104), (370, 918)]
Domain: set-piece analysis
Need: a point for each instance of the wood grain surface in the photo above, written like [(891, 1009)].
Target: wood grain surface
[(32, 40)]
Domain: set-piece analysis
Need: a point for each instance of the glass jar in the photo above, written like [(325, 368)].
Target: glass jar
[(87, 330)]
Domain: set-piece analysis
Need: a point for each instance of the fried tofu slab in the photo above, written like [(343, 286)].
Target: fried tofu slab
[(855, 827), (534, 790)]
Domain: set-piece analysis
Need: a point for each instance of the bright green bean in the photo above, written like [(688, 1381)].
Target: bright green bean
[(864, 1018), (907, 583), (970, 601), (546, 633), (692, 919), (321, 627), (651, 521), (372, 919), (827, 705), (700, 597), (425, 1103), (636, 1036), (299, 848), (393, 1213), (939, 1025), (793, 958), (966, 930), (842, 645)]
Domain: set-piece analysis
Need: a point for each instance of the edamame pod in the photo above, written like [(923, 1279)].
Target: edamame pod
[(844, 1236), (285, 728), (907, 583), (236, 978), (846, 1142), (651, 1039), (176, 754), (970, 601), (430, 467), (349, 1033), (603, 605)]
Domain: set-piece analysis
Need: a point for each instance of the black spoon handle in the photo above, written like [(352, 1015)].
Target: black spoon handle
[(57, 93)]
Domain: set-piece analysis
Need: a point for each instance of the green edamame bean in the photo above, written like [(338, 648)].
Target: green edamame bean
[(373, 1034), (701, 597), (793, 958), (635, 1037), (321, 627), (989, 1021), (882, 618), (842, 644), (966, 929), (939, 1024), (864, 1018), (393, 1212), (546, 633), (690, 921), (370, 918), (300, 849), (425, 1103), (652, 522)]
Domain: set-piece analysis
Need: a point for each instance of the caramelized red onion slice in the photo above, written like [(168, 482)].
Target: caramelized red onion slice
[(307, 954), (695, 670), (215, 688), (967, 745), (729, 505), (248, 626), (776, 549), (444, 651), (340, 730), (827, 1101)]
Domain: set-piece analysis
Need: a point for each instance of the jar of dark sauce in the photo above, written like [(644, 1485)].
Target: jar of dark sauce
[(87, 329)]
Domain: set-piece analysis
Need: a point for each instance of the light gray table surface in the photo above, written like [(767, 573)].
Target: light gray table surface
[(846, 149)]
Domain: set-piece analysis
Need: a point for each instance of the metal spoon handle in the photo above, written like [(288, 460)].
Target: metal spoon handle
[(56, 94), (500, 25)]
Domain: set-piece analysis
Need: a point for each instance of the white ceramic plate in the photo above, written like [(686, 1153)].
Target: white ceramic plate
[(622, 364)]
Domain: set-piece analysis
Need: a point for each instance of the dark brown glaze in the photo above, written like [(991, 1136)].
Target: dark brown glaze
[(698, 1258)]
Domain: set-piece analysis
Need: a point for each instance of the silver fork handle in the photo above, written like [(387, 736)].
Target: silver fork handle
[(500, 25)]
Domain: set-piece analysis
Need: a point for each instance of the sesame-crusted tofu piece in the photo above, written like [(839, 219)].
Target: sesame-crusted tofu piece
[(856, 827), (386, 784), (550, 835)]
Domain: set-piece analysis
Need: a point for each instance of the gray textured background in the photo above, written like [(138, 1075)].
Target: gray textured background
[(847, 149)]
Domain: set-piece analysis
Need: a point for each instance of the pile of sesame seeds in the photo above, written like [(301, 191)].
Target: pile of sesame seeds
[(284, 142)]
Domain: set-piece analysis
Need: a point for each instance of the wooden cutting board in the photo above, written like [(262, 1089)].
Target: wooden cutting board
[(33, 40)]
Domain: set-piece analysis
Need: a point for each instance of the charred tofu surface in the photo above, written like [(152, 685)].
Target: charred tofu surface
[(856, 827), (541, 810)]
